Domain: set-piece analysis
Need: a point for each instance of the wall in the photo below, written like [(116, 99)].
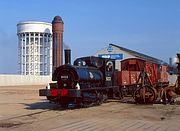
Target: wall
[(116, 50), (14, 80)]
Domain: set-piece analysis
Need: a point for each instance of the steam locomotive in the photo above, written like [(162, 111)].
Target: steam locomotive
[(93, 80), (89, 81)]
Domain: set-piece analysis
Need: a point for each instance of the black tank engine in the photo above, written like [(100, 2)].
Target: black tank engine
[(88, 81)]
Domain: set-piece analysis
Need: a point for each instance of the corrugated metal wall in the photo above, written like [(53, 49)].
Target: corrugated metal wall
[(14, 80)]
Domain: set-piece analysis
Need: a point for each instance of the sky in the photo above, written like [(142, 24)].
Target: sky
[(151, 27)]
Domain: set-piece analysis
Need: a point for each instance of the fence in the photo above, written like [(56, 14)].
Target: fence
[(14, 80)]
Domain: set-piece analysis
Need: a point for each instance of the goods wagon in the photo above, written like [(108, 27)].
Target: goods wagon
[(141, 79)]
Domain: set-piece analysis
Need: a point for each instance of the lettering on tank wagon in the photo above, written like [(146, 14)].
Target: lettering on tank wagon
[(112, 56)]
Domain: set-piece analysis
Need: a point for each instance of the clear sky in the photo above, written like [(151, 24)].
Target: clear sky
[(151, 27)]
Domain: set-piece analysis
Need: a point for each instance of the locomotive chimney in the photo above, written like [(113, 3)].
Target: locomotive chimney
[(57, 29), (67, 53)]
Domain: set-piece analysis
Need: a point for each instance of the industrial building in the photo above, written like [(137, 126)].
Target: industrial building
[(34, 48), (119, 53)]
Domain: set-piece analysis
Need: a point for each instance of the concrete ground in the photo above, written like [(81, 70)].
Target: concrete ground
[(21, 109)]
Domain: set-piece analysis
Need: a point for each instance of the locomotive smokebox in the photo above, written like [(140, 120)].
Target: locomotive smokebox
[(67, 53)]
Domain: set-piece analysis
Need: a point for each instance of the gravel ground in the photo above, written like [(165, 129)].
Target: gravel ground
[(21, 109)]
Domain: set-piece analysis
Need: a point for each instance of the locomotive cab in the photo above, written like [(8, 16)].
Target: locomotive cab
[(106, 66)]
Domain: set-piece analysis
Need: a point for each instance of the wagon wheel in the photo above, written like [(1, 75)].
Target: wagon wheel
[(166, 95), (145, 95)]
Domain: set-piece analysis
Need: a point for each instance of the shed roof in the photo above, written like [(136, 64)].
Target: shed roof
[(140, 55)]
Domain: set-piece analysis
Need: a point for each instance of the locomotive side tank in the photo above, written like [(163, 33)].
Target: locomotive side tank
[(106, 66)]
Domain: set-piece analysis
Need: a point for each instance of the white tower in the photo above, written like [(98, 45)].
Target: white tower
[(34, 48)]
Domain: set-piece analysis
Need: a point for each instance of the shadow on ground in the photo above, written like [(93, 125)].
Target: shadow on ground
[(42, 105), (54, 106), (45, 105)]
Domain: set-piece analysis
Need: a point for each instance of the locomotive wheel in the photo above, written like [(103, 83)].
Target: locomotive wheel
[(63, 104), (85, 105), (145, 95), (166, 95), (121, 95), (99, 98), (105, 96)]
